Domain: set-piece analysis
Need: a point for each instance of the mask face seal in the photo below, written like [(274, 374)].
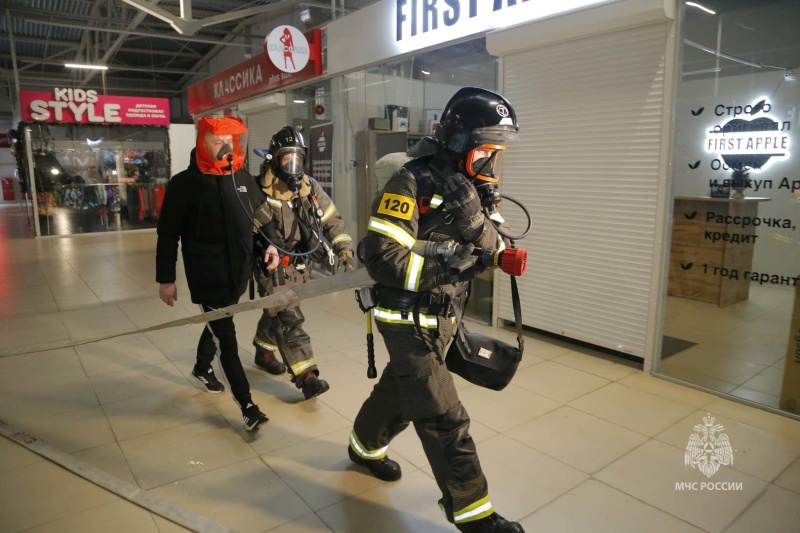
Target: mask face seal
[(482, 161), (291, 161)]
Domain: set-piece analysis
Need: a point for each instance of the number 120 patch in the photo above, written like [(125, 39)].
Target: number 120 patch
[(396, 206)]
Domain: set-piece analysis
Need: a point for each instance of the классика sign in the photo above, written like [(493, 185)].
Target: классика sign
[(289, 57)]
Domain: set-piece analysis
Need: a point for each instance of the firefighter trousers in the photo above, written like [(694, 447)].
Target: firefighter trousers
[(417, 388), (281, 329)]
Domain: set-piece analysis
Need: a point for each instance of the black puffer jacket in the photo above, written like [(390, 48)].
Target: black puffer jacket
[(216, 233)]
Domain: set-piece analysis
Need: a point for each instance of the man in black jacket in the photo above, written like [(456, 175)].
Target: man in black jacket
[(208, 208)]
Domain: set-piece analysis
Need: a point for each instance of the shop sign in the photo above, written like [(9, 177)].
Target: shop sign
[(321, 155), (389, 28), (79, 106), (287, 49), (258, 75), (747, 137)]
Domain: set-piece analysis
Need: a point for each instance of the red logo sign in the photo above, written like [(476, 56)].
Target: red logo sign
[(253, 77), (287, 49), (77, 106)]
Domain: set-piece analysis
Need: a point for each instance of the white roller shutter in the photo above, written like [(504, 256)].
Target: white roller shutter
[(587, 168), (261, 127)]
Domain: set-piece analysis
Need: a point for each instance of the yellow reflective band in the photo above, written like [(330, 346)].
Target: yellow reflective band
[(328, 212), (361, 450), (300, 266), (390, 230), (414, 272), (344, 237), (480, 509), (392, 316), (436, 201), (274, 203), (265, 345), (298, 368), (497, 217)]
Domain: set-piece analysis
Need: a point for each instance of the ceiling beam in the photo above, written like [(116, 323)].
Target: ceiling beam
[(191, 26), (185, 52), (139, 33), (48, 80), (111, 50), (209, 55), (51, 62), (50, 42)]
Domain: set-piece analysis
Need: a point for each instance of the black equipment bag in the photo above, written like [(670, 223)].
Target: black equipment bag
[(482, 360)]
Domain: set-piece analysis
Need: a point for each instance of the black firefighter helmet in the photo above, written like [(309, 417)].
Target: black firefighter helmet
[(288, 151), (476, 124)]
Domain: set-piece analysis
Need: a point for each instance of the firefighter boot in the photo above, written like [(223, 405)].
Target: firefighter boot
[(494, 523), (384, 469), (312, 385), (269, 362)]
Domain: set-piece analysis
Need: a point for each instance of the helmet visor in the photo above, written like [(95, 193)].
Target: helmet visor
[(291, 160), (482, 162), (493, 135)]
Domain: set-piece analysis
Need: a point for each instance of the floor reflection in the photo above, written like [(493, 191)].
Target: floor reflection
[(739, 349)]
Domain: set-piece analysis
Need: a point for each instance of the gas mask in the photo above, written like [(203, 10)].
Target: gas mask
[(289, 163), (481, 166), (220, 145)]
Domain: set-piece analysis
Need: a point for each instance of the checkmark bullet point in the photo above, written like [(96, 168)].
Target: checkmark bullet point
[(695, 165), (691, 215), (687, 266), (698, 112)]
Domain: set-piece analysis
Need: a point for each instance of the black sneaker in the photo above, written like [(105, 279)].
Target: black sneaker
[(313, 386), (384, 469), (208, 379), (253, 417), (269, 362), (494, 523)]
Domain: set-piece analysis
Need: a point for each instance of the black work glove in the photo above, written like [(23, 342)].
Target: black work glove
[(463, 203), (346, 262)]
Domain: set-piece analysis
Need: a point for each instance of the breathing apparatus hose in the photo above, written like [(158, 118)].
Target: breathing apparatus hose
[(252, 215), (524, 234)]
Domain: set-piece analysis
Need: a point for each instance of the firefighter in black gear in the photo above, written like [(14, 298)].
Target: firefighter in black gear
[(306, 221), (434, 199)]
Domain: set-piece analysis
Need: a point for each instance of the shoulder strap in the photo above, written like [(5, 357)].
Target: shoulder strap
[(426, 185), (461, 329), (517, 313)]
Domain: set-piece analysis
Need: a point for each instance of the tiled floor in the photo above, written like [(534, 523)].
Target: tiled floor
[(740, 349), (577, 443)]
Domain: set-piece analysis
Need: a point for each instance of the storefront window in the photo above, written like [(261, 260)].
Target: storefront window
[(98, 178), (732, 321)]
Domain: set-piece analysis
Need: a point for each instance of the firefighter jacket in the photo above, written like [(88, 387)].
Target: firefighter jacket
[(283, 208), (401, 215), (215, 232)]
